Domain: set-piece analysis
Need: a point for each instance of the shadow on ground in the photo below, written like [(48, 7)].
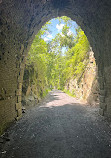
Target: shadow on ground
[(68, 131)]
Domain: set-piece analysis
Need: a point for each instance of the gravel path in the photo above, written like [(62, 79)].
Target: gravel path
[(61, 127)]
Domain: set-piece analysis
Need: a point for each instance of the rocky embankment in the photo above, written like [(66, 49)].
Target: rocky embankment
[(86, 87)]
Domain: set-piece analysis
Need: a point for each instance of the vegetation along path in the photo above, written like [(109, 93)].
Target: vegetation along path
[(61, 127)]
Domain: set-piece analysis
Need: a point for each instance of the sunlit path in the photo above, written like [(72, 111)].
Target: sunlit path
[(61, 127)]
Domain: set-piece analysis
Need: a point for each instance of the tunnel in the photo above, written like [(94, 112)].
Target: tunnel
[(19, 23)]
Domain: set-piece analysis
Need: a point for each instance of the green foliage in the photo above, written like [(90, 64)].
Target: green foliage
[(69, 93), (49, 68), (36, 63), (77, 56)]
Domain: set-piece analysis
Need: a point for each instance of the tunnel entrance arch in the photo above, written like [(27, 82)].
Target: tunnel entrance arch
[(58, 38), (21, 20)]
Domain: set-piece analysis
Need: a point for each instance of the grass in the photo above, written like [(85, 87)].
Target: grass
[(69, 93), (46, 92)]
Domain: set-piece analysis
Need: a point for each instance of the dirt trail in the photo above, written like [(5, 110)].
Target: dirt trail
[(61, 127)]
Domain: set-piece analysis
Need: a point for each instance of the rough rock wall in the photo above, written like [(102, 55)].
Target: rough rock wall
[(19, 22), (86, 87), (30, 91)]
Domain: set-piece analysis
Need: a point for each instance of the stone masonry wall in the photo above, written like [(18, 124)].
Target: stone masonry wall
[(20, 20)]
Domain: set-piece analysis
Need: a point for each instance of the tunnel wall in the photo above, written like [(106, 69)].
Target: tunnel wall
[(20, 22)]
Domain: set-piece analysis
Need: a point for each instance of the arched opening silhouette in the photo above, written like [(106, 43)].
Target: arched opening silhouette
[(60, 58)]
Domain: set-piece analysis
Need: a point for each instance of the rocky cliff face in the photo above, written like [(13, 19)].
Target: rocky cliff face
[(86, 87), (31, 94)]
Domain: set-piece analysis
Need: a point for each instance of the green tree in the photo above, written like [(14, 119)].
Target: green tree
[(51, 68)]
